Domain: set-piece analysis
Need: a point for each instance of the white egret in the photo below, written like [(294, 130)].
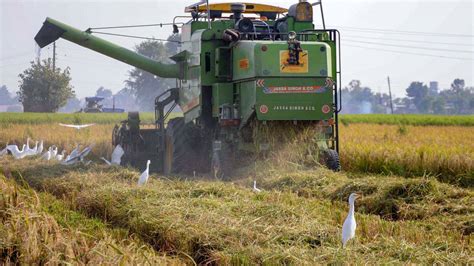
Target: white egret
[(17, 154), (349, 226), (144, 176), (60, 157), (79, 157), (116, 156), (47, 155), (74, 152), (40, 148), (28, 150), (54, 152), (255, 186), (34, 150), (78, 127)]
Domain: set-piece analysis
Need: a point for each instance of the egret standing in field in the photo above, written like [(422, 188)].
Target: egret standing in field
[(255, 189), (349, 226), (16, 152), (116, 156), (144, 176), (47, 155), (40, 148)]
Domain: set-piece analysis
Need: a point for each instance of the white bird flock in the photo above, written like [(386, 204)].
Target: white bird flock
[(349, 226), (76, 156)]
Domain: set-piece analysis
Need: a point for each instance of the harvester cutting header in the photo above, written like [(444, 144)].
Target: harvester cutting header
[(241, 68)]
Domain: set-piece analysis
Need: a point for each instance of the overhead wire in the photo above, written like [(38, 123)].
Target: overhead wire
[(134, 26), (134, 36), (410, 46), (391, 31), (404, 40), (407, 52)]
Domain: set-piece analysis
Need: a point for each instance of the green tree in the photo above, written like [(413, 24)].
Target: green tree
[(103, 92), (44, 89), (418, 93), (146, 86), (5, 97)]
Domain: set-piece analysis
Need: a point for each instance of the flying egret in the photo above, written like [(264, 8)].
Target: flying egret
[(349, 226), (79, 157), (144, 176), (17, 154), (40, 148), (74, 152), (116, 156), (255, 186), (47, 155), (78, 127)]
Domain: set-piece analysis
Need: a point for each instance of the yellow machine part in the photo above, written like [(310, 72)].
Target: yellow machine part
[(250, 8)]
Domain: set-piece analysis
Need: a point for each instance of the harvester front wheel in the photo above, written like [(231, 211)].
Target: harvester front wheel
[(331, 160), (182, 144)]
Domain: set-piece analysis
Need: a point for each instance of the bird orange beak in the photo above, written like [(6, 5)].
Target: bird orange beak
[(358, 196)]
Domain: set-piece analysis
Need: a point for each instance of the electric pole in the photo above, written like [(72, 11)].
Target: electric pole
[(54, 56), (390, 94)]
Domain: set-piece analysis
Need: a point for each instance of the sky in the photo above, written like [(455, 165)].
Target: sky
[(417, 40)]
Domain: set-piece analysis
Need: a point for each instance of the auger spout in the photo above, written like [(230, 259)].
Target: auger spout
[(53, 30)]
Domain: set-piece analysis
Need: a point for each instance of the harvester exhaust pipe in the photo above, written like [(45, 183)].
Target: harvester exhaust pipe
[(52, 30)]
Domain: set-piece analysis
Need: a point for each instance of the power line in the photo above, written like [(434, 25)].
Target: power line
[(401, 52), (390, 31), (134, 36), (410, 46), (403, 40), (133, 26)]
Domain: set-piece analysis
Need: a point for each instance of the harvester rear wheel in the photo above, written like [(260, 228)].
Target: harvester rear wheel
[(182, 146), (331, 160)]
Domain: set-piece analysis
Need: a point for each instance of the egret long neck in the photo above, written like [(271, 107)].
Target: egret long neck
[(351, 208)]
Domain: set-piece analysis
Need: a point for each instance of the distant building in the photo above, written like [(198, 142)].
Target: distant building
[(434, 87)]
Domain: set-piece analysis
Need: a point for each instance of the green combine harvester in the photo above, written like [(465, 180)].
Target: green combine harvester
[(241, 68)]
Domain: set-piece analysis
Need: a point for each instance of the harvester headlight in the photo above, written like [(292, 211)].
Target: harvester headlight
[(292, 35)]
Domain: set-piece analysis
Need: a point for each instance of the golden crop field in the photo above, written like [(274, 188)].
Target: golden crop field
[(97, 214), (446, 152)]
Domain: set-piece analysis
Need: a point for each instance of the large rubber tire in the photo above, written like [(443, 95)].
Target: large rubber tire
[(182, 147), (331, 160)]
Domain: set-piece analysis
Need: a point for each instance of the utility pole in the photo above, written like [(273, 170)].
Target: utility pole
[(390, 94), (54, 56)]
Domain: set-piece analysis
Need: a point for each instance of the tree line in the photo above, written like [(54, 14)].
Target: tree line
[(419, 99)]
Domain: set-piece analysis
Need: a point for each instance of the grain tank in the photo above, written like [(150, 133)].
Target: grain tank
[(242, 68)]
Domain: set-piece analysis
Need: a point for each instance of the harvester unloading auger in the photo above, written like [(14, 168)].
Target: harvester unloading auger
[(241, 67)]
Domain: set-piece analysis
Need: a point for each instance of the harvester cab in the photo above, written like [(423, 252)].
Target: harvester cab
[(244, 71)]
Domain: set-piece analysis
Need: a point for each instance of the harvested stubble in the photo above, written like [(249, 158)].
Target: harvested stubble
[(37, 229), (224, 223), (444, 152)]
